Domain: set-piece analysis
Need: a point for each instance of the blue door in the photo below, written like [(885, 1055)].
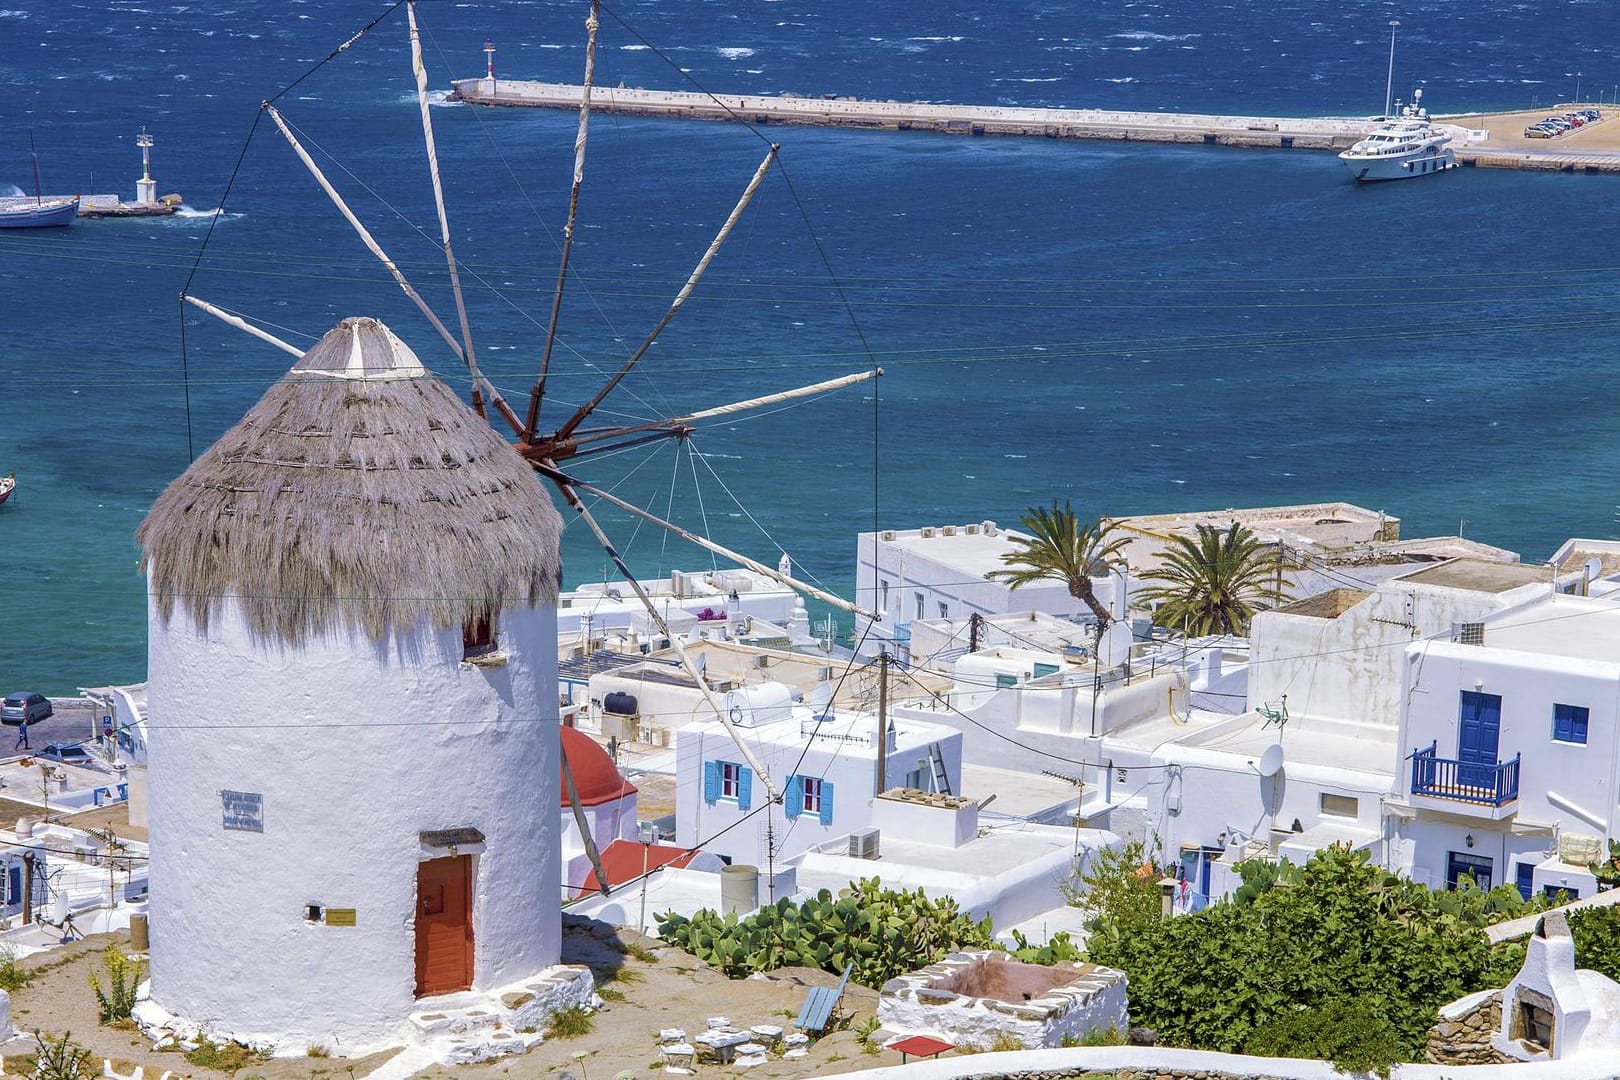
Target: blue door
[(1479, 724)]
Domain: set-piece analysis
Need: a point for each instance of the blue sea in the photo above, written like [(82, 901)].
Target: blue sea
[(1134, 328)]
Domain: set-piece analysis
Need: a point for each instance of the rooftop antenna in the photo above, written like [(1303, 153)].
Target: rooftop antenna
[(146, 187), (1389, 81)]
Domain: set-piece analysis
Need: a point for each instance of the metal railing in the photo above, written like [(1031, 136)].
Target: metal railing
[(1464, 781)]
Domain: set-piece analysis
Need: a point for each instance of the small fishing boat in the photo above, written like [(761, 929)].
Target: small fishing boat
[(22, 212), (8, 484)]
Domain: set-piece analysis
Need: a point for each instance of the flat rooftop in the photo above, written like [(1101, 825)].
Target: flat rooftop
[(1579, 627), (1306, 740), (1479, 575), (1019, 794), (978, 551)]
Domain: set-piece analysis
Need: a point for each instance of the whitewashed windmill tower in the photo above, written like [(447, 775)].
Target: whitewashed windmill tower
[(352, 671), (322, 739)]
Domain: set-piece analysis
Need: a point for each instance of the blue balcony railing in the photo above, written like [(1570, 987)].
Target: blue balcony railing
[(1464, 781)]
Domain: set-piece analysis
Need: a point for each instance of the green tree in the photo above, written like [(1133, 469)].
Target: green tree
[(1120, 887), (1062, 548), (1214, 584)]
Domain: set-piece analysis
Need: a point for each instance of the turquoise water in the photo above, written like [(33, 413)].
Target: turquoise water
[(1136, 328)]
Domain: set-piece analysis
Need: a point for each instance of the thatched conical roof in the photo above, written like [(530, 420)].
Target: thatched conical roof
[(358, 492)]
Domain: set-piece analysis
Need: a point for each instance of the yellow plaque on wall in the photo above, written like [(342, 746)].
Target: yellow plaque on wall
[(340, 916)]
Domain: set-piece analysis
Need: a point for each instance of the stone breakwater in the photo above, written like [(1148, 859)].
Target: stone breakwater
[(1115, 125)]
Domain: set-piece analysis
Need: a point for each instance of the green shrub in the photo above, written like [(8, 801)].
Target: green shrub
[(225, 1057), (1351, 1034), (1597, 939), (569, 1023), (115, 999), (13, 976), (878, 932), (1341, 929), (1059, 949)]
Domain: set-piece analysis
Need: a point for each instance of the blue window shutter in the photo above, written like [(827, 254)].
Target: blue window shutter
[(793, 798), (826, 803), (711, 781), (745, 786)]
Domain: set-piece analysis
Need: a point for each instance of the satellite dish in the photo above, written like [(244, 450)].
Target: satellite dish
[(1115, 647), (1594, 568), (1417, 95), (1271, 762)]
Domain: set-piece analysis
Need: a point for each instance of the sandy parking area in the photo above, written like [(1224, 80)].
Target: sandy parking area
[(1507, 131)]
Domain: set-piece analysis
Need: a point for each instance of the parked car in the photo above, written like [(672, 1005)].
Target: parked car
[(66, 753), (1540, 131), (1558, 122), (1575, 119), (1591, 114), (20, 707)]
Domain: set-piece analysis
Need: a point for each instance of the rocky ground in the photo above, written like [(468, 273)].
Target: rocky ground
[(652, 987)]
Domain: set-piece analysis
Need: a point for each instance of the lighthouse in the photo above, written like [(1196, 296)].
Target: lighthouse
[(145, 187), (353, 748)]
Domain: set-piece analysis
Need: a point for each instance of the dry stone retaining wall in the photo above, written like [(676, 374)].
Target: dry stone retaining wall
[(1463, 1034)]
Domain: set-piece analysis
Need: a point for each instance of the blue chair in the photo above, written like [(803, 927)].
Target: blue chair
[(819, 1006)]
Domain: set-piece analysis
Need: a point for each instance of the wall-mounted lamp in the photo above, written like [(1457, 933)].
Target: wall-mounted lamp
[(1469, 839), (1479, 684)]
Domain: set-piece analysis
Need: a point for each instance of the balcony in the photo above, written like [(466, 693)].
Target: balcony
[(1472, 783)]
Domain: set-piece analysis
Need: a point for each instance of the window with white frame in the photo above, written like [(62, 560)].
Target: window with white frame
[(921, 600), (1569, 723), (730, 780), (944, 610), (812, 795)]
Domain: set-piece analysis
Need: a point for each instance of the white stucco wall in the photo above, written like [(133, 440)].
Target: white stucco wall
[(850, 767), (1350, 667), (355, 747)]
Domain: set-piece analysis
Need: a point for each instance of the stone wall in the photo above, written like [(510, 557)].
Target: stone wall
[(1463, 1034), (944, 1000)]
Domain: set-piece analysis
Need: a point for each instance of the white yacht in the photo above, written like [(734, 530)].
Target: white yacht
[(1401, 147)]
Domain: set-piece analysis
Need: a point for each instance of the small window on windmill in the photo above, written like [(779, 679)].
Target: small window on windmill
[(478, 635)]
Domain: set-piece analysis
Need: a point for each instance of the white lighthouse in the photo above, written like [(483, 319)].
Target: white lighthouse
[(353, 708)]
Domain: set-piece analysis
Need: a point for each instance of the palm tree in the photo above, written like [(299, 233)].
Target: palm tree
[(1060, 548), (1214, 584)]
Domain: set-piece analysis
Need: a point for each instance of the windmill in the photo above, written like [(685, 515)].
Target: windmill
[(551, 452)]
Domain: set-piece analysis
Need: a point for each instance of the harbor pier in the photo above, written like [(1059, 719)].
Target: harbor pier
[(1483, 140)]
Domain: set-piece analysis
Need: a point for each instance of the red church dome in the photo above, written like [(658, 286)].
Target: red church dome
[(595, 776)]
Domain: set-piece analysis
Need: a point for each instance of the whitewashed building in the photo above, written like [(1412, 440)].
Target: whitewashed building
[(352, 701), (941, 572), (825, 762), (1510, 747)]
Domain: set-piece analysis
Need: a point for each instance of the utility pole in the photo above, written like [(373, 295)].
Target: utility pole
[(883, 723)]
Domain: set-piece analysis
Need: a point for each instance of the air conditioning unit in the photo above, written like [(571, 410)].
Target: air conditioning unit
[(1468, 633), (927, 532), (971, 530), (948, 530), (887, 534), (762, 660), (863, 844)]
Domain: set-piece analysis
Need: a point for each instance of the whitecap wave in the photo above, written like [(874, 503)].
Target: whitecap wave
[(192, 212), (937, 38), (735, 53), (9, 14), (1148, 35), (634, 48), (1126, 79)]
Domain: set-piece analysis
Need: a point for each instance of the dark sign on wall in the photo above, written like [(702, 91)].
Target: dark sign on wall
[(244, 810)]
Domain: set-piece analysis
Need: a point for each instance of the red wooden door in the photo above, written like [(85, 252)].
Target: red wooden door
[(444, 932)]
